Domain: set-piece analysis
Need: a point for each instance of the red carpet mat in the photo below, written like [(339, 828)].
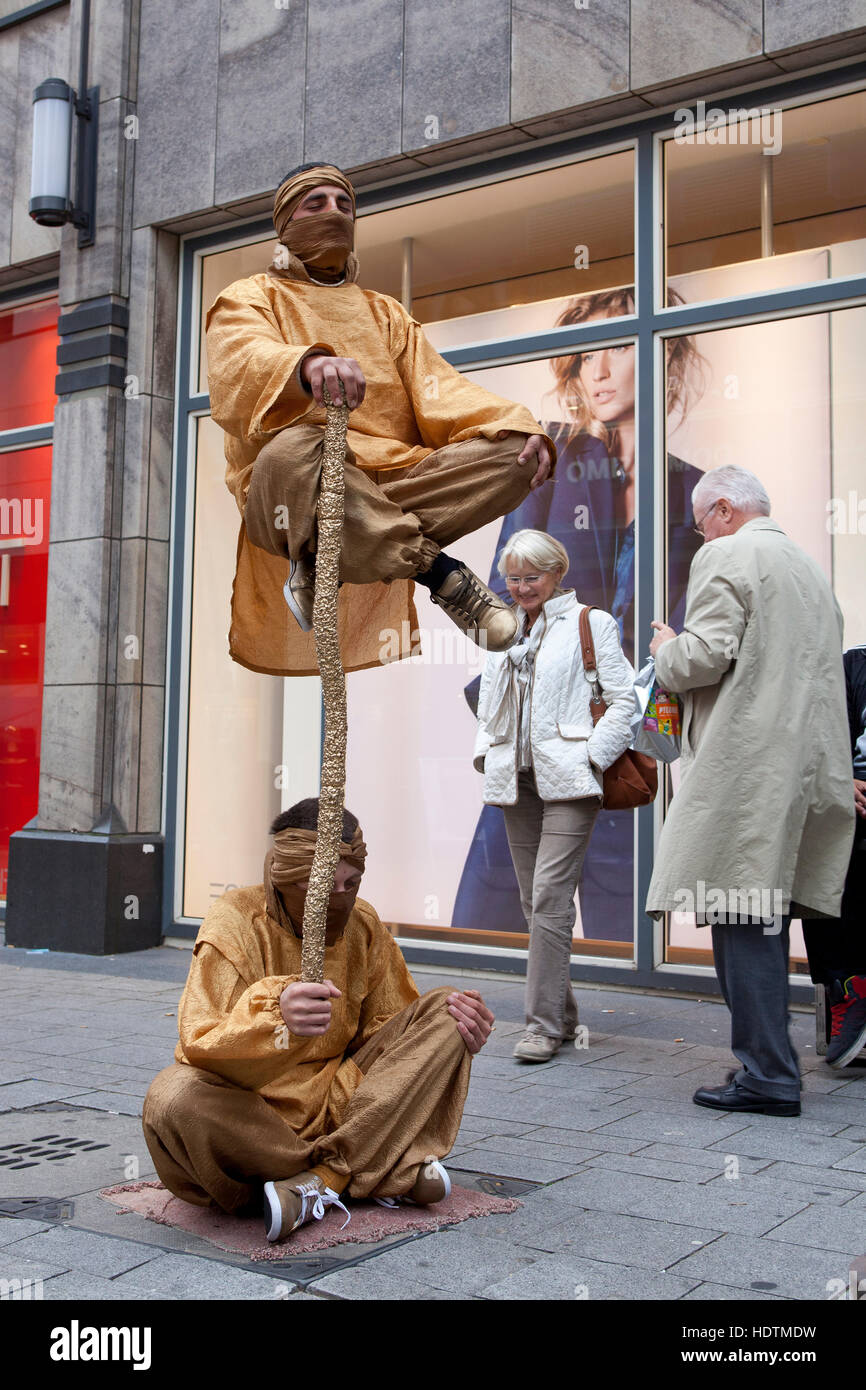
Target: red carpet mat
[(245, 1236)]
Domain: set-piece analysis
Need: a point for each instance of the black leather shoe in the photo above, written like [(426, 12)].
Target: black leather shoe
[(732, 1097)]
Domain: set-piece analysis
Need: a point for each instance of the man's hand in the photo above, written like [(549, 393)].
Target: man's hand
[(317, 369), (860, 797), (663, 634), (473, 1018), (536, 448), (306, 1008)]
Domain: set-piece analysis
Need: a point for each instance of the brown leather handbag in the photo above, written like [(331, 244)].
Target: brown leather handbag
[(633, 779)]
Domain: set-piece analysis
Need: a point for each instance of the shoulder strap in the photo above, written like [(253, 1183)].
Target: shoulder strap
[(597, 707), (587, 646)]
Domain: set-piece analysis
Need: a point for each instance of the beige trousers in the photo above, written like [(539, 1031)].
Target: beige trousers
[(548, 841), (396, 521), (213, 1143)]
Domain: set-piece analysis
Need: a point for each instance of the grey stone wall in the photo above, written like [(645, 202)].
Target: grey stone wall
[(231, 96), (108, 556), (227, 95), (29, 52)]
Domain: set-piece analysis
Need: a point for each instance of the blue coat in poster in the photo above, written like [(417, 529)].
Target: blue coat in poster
[(601, 572)]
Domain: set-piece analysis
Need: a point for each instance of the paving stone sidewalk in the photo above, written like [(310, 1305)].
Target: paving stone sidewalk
[(629, 1190)]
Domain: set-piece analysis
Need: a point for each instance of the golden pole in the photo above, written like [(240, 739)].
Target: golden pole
[(333, 780)]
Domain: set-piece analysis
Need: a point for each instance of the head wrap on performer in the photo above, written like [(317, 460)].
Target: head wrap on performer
[(323, 240), (289, 863)]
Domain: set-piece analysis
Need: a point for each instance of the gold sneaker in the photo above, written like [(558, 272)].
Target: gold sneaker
[(431, 1185), (299, 590), (476, 610), (292, 1202)]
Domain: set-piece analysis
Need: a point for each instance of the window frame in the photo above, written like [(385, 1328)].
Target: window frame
[(648, 328)]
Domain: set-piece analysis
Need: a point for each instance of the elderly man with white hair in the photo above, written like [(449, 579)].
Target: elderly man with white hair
[(760, 829)]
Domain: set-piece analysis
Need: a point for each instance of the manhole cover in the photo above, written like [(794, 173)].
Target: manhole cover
[(38, 1208), (45, 1148), (495, 1186)]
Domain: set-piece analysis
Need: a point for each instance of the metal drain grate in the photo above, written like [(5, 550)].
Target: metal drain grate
[(493, 1185), (45, 1148), (38, 1208)]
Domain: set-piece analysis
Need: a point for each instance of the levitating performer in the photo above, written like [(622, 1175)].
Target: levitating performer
[(431, 456), (300, 1093)]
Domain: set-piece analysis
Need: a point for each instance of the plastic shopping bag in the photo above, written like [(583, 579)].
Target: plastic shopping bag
[(656, 724)]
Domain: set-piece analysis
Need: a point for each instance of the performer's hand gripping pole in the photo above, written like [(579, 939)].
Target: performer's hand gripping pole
[(333, 781)]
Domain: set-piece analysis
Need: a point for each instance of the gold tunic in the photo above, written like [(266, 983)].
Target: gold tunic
[(229, 1017), (258, 331)]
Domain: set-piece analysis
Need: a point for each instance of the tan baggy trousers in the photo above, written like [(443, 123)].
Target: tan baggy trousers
[(395, 521), (213, 1143)]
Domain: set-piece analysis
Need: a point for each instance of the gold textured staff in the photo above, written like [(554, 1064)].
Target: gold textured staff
[(329, 513)]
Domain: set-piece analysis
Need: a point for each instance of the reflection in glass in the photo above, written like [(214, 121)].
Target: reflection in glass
[(235, 715), (25, 491), (590, 508), (750, 190), (28, 363), (787, 401), (487, 262)]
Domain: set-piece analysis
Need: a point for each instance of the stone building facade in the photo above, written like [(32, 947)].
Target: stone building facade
[(202, 107)]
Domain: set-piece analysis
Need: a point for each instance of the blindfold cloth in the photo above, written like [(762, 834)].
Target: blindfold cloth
[(289, 863), (324, 240), (290, 193)]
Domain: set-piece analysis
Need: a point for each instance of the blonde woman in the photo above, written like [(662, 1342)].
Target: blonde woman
[(543, 761)]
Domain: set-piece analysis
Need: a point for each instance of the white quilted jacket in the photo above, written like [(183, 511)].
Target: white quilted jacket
[(568, 754)]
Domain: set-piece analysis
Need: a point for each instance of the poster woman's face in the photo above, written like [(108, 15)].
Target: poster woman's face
[(606, 377)]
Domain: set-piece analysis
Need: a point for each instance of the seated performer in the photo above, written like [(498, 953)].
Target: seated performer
[(296, 1092), (430, 456)]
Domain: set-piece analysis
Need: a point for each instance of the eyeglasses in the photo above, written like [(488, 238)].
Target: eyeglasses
[(514, 581), (699, 526)]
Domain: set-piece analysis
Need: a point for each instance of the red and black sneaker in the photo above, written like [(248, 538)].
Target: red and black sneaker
[(848, 1021)]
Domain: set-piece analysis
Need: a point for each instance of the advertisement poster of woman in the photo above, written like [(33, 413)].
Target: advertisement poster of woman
[(590, 508)]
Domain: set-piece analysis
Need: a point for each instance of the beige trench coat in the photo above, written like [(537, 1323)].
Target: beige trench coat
[(765, 805)]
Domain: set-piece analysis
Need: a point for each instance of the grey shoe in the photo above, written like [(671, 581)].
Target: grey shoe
[(299, 590), (476, 610), (536, 1047)]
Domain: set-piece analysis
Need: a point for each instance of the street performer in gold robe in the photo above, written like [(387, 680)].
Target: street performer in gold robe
[(431, 456), (300, 1093)]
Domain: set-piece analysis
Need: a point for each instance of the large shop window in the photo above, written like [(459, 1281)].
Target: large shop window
[(28, 347), (494, 262), (786, 400), (439, 862), (766, 182), (504, 262), (237, 777), (443, 859), (508, 259)]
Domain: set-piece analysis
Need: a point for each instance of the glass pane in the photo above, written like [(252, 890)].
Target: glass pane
[(448, 868), (787, 401), (503, 258), (766, 200), (488, 262), (28, 365), (236, 780), (25, 496)]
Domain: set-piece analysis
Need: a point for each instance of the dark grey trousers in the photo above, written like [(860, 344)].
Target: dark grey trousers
[(753, 974)]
